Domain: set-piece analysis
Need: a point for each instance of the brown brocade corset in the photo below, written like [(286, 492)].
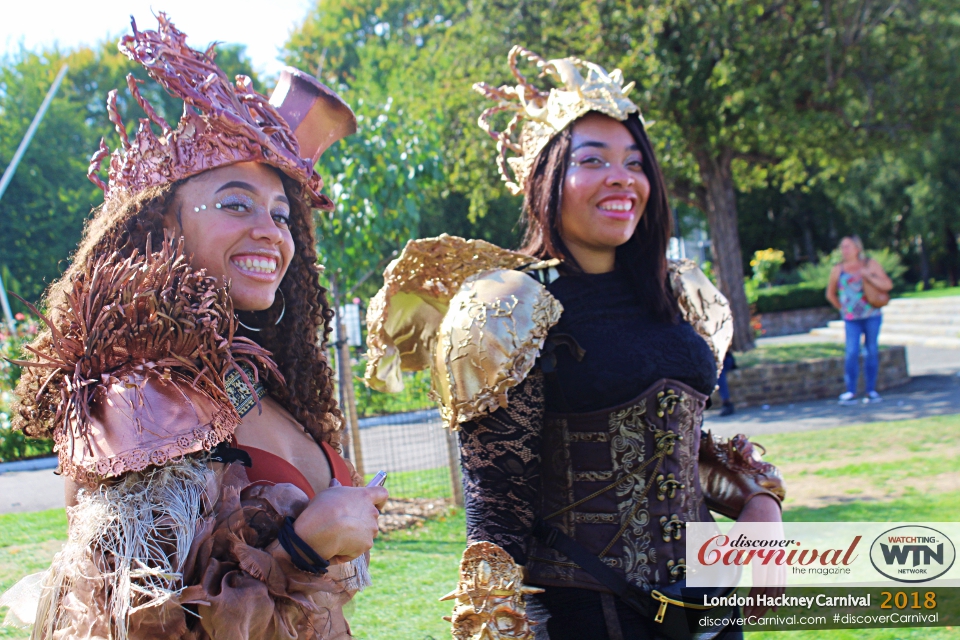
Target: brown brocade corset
[(623, 482)]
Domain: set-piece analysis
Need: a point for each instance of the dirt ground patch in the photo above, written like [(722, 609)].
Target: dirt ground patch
[(887, 474), (406, 513)]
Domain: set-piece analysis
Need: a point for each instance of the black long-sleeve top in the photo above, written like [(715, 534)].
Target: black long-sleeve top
[(622, 351)]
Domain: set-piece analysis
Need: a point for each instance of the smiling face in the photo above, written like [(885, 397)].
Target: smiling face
[(605, 190), (235, 222)]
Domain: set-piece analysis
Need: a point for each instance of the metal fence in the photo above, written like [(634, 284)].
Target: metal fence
[(404, 436)]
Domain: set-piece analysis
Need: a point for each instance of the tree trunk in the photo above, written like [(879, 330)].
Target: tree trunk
[(721, 206), (953, 255)]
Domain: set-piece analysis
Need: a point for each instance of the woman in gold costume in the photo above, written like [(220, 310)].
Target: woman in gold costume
[(576, 371)]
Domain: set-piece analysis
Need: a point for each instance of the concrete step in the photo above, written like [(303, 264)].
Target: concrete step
[(919, 329), (835, 334), (926, 305), (900, 317)]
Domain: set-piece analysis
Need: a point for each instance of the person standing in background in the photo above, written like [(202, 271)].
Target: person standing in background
[(729, 364), (845, 293)]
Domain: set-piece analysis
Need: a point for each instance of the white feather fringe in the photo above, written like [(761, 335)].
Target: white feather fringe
[(137, 533), (361, 574)]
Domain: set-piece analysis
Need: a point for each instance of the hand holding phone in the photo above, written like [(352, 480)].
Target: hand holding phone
[(378, 479)]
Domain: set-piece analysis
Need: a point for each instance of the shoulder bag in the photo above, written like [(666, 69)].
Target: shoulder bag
[(874, 295)]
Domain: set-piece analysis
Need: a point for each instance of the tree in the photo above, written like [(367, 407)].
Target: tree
[(746, 94), (376, 179), (43, 210), (753, 93)]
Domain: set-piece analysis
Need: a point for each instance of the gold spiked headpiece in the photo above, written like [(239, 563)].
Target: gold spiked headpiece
[(585, 87)]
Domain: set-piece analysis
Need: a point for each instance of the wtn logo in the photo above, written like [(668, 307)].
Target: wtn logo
[(912, 553), (898, 554)]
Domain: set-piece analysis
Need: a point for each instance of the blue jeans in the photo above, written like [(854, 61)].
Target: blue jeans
[(870, 328)]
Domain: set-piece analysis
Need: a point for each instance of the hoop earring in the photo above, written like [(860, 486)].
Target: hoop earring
[(283, 298)]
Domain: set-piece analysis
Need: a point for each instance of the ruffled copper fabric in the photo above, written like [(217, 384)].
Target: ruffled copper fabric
[(242, 584), (136, 377)]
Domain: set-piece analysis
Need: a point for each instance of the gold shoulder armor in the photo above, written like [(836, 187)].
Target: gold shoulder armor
[(458, 307), (489, 341), (703, 306)]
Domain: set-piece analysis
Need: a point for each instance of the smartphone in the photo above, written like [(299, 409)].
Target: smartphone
[(378, 479)]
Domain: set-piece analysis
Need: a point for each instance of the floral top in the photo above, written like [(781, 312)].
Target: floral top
[(853, 304)]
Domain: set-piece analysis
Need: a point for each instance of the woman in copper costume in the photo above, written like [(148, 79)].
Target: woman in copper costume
[(576, 371), (184, 380)]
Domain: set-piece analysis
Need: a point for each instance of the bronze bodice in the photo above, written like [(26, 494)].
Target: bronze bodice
[(622, 482)]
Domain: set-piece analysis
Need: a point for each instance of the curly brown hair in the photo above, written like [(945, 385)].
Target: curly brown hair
[(298, 342)]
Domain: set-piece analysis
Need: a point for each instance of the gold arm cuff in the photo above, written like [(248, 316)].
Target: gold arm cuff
[(489, 596)]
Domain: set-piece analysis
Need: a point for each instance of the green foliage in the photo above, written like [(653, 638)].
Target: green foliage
[(13, 444), (707, 268), (414, 397), (376, 179), (766, 264), (11, 348), (787, 297), (819, 273)]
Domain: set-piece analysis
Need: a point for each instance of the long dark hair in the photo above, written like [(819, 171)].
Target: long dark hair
[(643, 257)]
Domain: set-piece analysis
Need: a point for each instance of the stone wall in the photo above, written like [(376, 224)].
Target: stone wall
[(785, 323), (807, 380)]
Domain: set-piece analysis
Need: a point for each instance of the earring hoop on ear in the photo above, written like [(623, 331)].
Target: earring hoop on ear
[(283, 298)]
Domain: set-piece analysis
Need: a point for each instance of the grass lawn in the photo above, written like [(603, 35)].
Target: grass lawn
[(783, 353), (423, 483), (908, 471), (932, 293)]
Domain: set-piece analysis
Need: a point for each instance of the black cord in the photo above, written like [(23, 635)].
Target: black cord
[(301, 553)]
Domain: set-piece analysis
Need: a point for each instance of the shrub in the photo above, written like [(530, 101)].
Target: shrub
[(11, 348), (787, 297), (819, 273), (13, 444), (766, 264)]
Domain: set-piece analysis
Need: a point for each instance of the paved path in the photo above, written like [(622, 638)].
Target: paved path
[(935, 390), (22, 491), (922, 397)]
